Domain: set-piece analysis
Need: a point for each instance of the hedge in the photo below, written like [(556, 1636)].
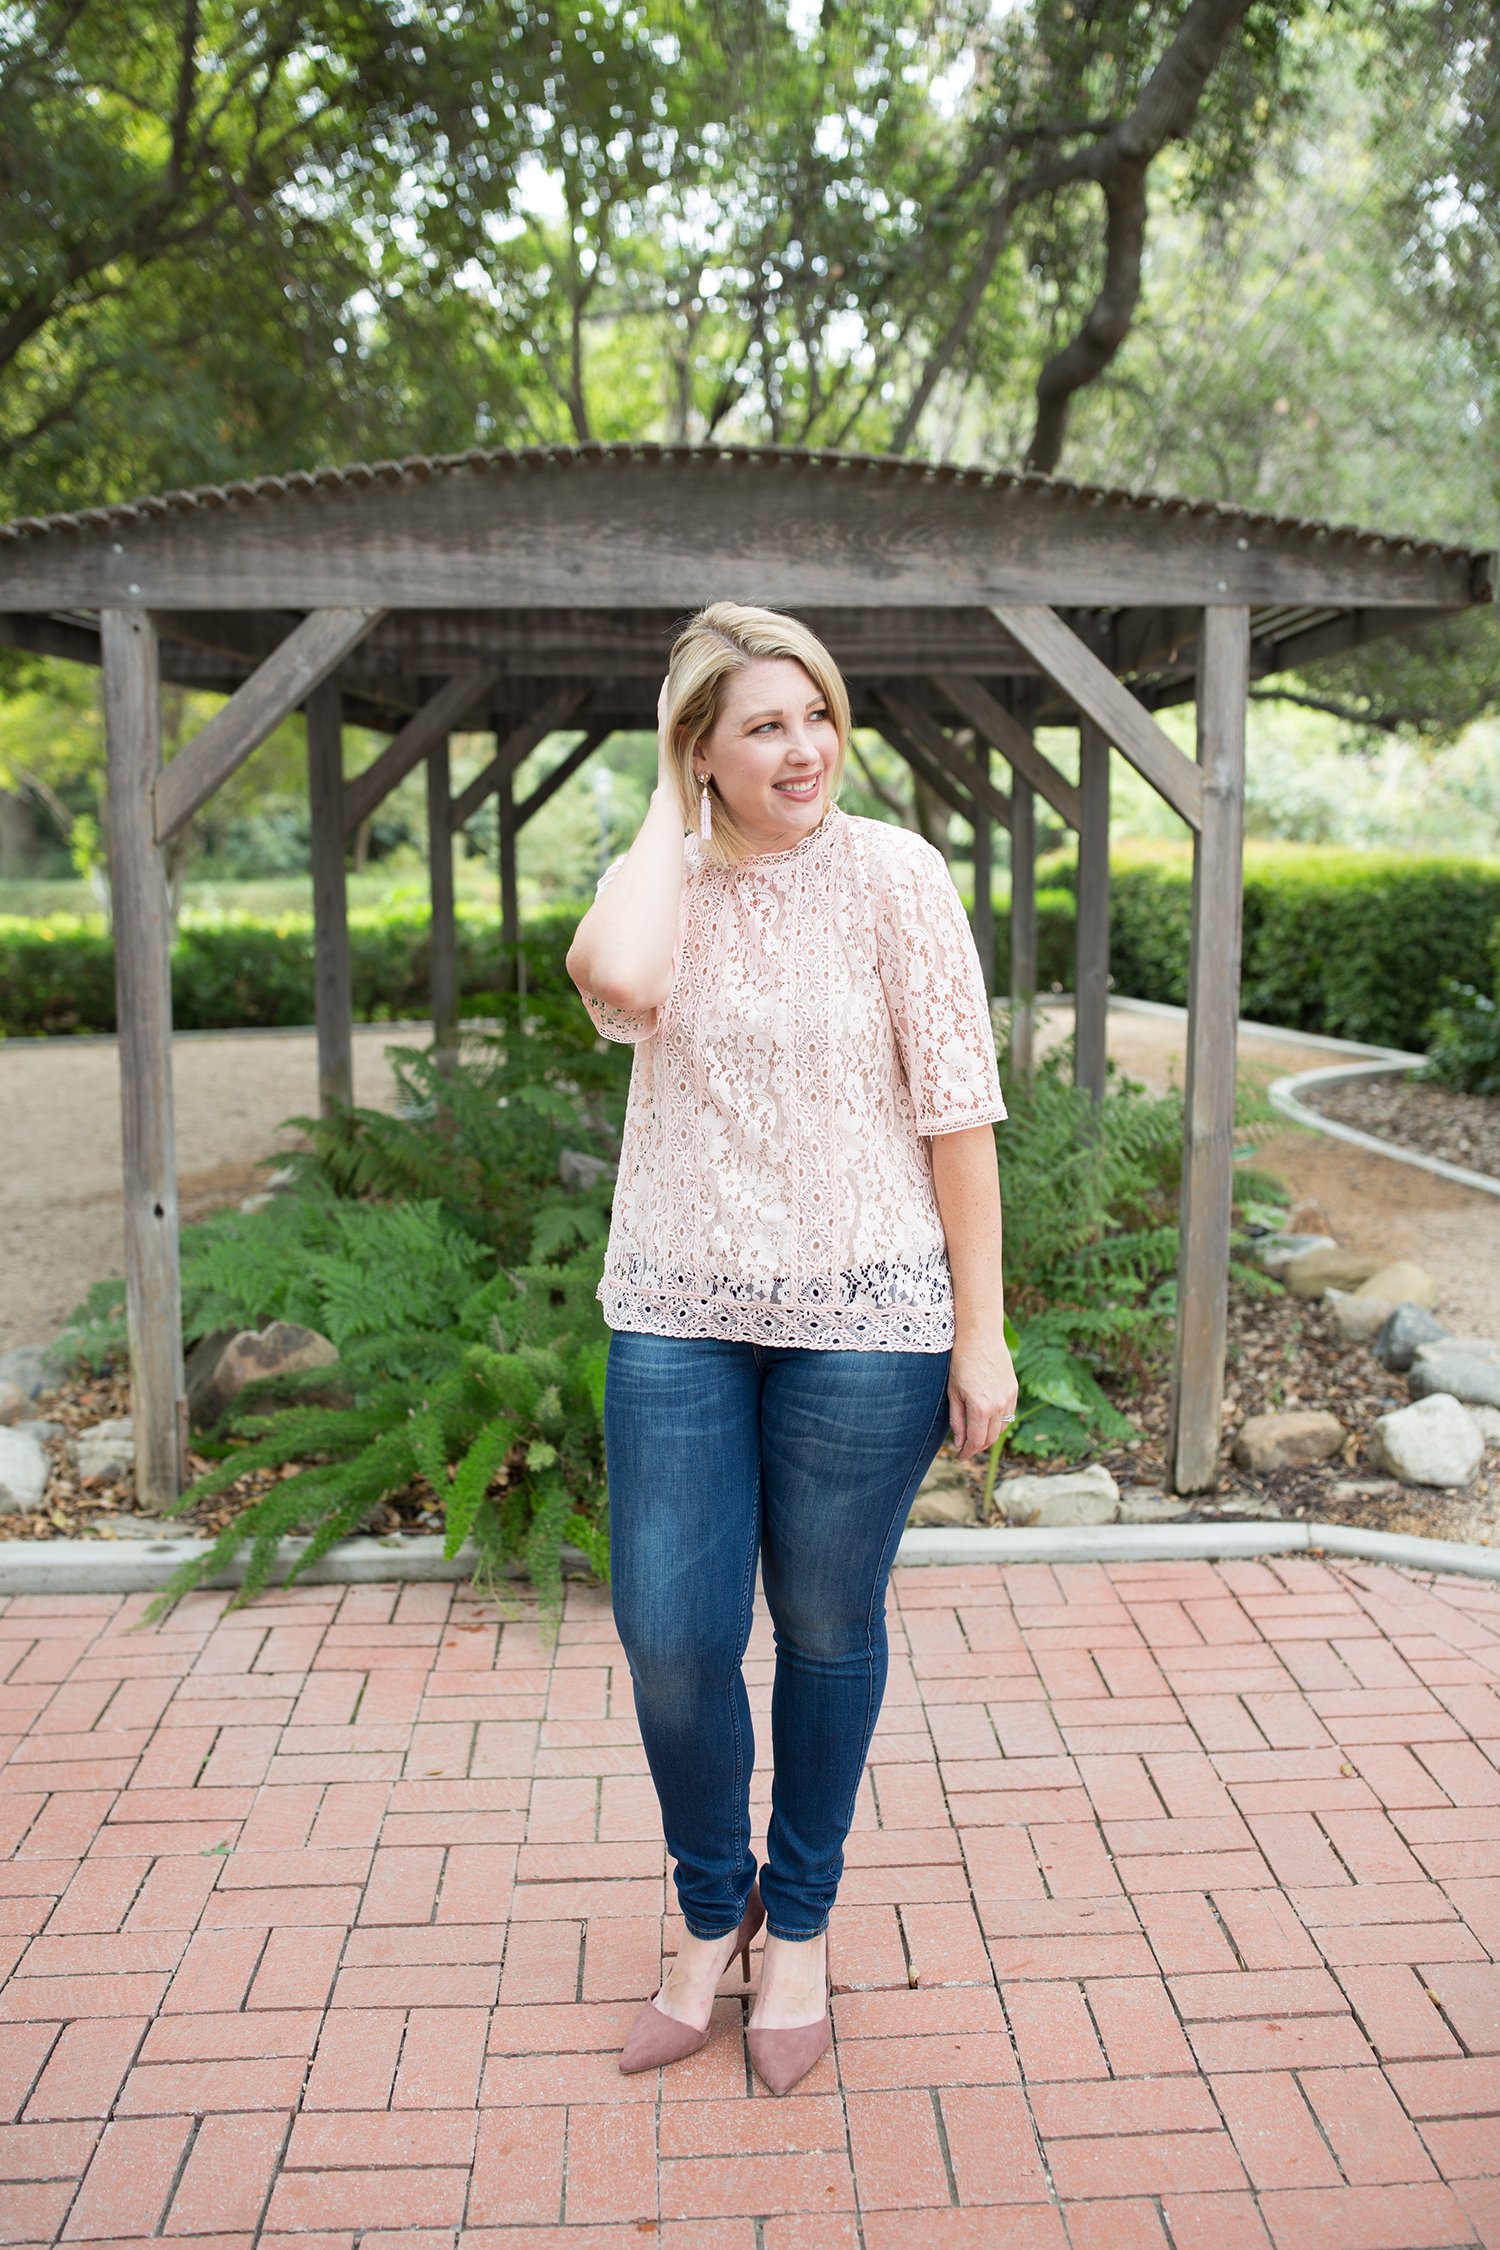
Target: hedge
[(1356, 944), (58, 977)]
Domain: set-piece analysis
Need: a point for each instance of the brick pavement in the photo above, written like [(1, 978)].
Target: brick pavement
[(1172, 1922)]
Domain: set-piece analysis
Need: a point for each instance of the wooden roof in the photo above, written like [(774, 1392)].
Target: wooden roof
[(577, 563)]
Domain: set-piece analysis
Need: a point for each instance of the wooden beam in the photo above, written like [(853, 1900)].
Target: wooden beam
[(921, 726), (975, 703), (443, 939), (983, 919), (1023, 948), (555, 712), (512, 968), (277, 688), (560, 773), (1091, 933), (433, 723), (332, 981), (937, 777), (143, 987), (1213, 1013), (1100, 696)]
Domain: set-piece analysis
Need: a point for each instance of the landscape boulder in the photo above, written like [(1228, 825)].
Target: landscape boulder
[(1356, 1318), (1276, 1251), (1288, 1441), (1078, 1496), (1408, 1327), (221, 1366), (1488, 1419), (1316, 1270), (1474, 1381), (946, 1498), (36, 1367), (105, 1450), (1401, 1283), (1436, 1441), (1462, 1347), (24, 1469)]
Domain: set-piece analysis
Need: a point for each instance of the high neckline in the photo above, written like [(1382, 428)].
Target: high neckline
[(830, 820)]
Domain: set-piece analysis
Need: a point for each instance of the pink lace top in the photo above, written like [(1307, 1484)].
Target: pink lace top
[(826, 1016)]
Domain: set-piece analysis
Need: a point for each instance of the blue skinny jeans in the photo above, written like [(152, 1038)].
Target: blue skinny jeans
[(720, 1454)]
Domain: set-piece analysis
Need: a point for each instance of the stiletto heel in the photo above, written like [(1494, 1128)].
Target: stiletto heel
[(782, 2058), (656, 2038)]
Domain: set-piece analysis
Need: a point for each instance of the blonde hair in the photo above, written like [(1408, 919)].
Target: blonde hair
[(720, 641)]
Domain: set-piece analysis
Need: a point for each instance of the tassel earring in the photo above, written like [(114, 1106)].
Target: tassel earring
[(705, 811)]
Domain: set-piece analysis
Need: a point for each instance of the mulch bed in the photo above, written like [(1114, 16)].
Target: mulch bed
[(1433, 1120), (1282, 1354)]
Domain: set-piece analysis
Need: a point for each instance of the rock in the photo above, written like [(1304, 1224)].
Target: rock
[(1356, 1318), (1316, 1270), (576, 1169), (1401, 1283), (1363, 1488), (1462, 1347), (221, 1365), (1078, 1496), (1238, 1507), (1436, 1441), (13, 1400), (1139, 1504), (1276, 1251), (1475, 1381), (1408, 1327), (24, 1470), (1488, 1418), (946, 1498), (41, 1431), (35, 1367), (1288, 1441), (105, 1450)]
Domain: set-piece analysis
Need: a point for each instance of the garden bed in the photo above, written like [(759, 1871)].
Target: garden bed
[(1461, 1129), (1283, 1354)]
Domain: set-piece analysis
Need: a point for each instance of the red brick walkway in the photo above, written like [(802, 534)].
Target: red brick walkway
[(1172, 1919)]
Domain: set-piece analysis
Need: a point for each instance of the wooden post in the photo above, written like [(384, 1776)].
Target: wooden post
[(444, 934), (143, 986), (984, 876), (332, 983), (1023, 947), (1213, 1012), (512, 976), (1091, 952)]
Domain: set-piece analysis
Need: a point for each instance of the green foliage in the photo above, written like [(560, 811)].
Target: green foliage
[(1464, 1042), (1354, 943), (58, 976)]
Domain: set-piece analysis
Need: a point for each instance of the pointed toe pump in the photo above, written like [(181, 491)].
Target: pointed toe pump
[(656, 2038), (782, 2058)]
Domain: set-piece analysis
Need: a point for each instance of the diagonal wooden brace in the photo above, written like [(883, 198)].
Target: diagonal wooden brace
[(439, 715), (923, 732), (1004, 733), (1101, 697), (518, 745), (277, 688)]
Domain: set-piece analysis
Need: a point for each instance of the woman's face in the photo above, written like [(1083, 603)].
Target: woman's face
[(771, 750)]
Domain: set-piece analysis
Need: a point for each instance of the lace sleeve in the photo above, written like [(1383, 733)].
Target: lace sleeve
[(628, 1026), (933, 987)]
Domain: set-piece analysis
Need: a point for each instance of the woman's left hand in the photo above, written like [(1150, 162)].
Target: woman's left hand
[(981, 1393)]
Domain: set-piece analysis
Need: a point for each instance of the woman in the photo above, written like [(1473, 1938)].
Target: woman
[(803, 1284)]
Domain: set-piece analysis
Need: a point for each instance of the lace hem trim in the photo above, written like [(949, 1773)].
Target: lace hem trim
[(886, 1328)]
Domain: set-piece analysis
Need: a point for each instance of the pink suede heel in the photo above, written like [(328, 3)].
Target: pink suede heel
[(656, 2038), (781, 2058)]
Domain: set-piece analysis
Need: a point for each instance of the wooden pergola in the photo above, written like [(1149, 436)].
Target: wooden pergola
[(532, 591)]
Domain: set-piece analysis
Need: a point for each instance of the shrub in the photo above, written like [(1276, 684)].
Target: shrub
[(1464, 1042)]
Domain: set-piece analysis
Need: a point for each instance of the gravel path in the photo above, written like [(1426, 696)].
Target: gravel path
[(60, 1210), (1460, 1128)]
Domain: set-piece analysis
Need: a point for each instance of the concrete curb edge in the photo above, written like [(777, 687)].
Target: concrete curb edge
[(96, 1566), (1282, 1094)]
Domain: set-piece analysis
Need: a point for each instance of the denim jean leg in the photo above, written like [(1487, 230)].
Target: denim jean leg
[(682, 1445), (846, 1438)]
